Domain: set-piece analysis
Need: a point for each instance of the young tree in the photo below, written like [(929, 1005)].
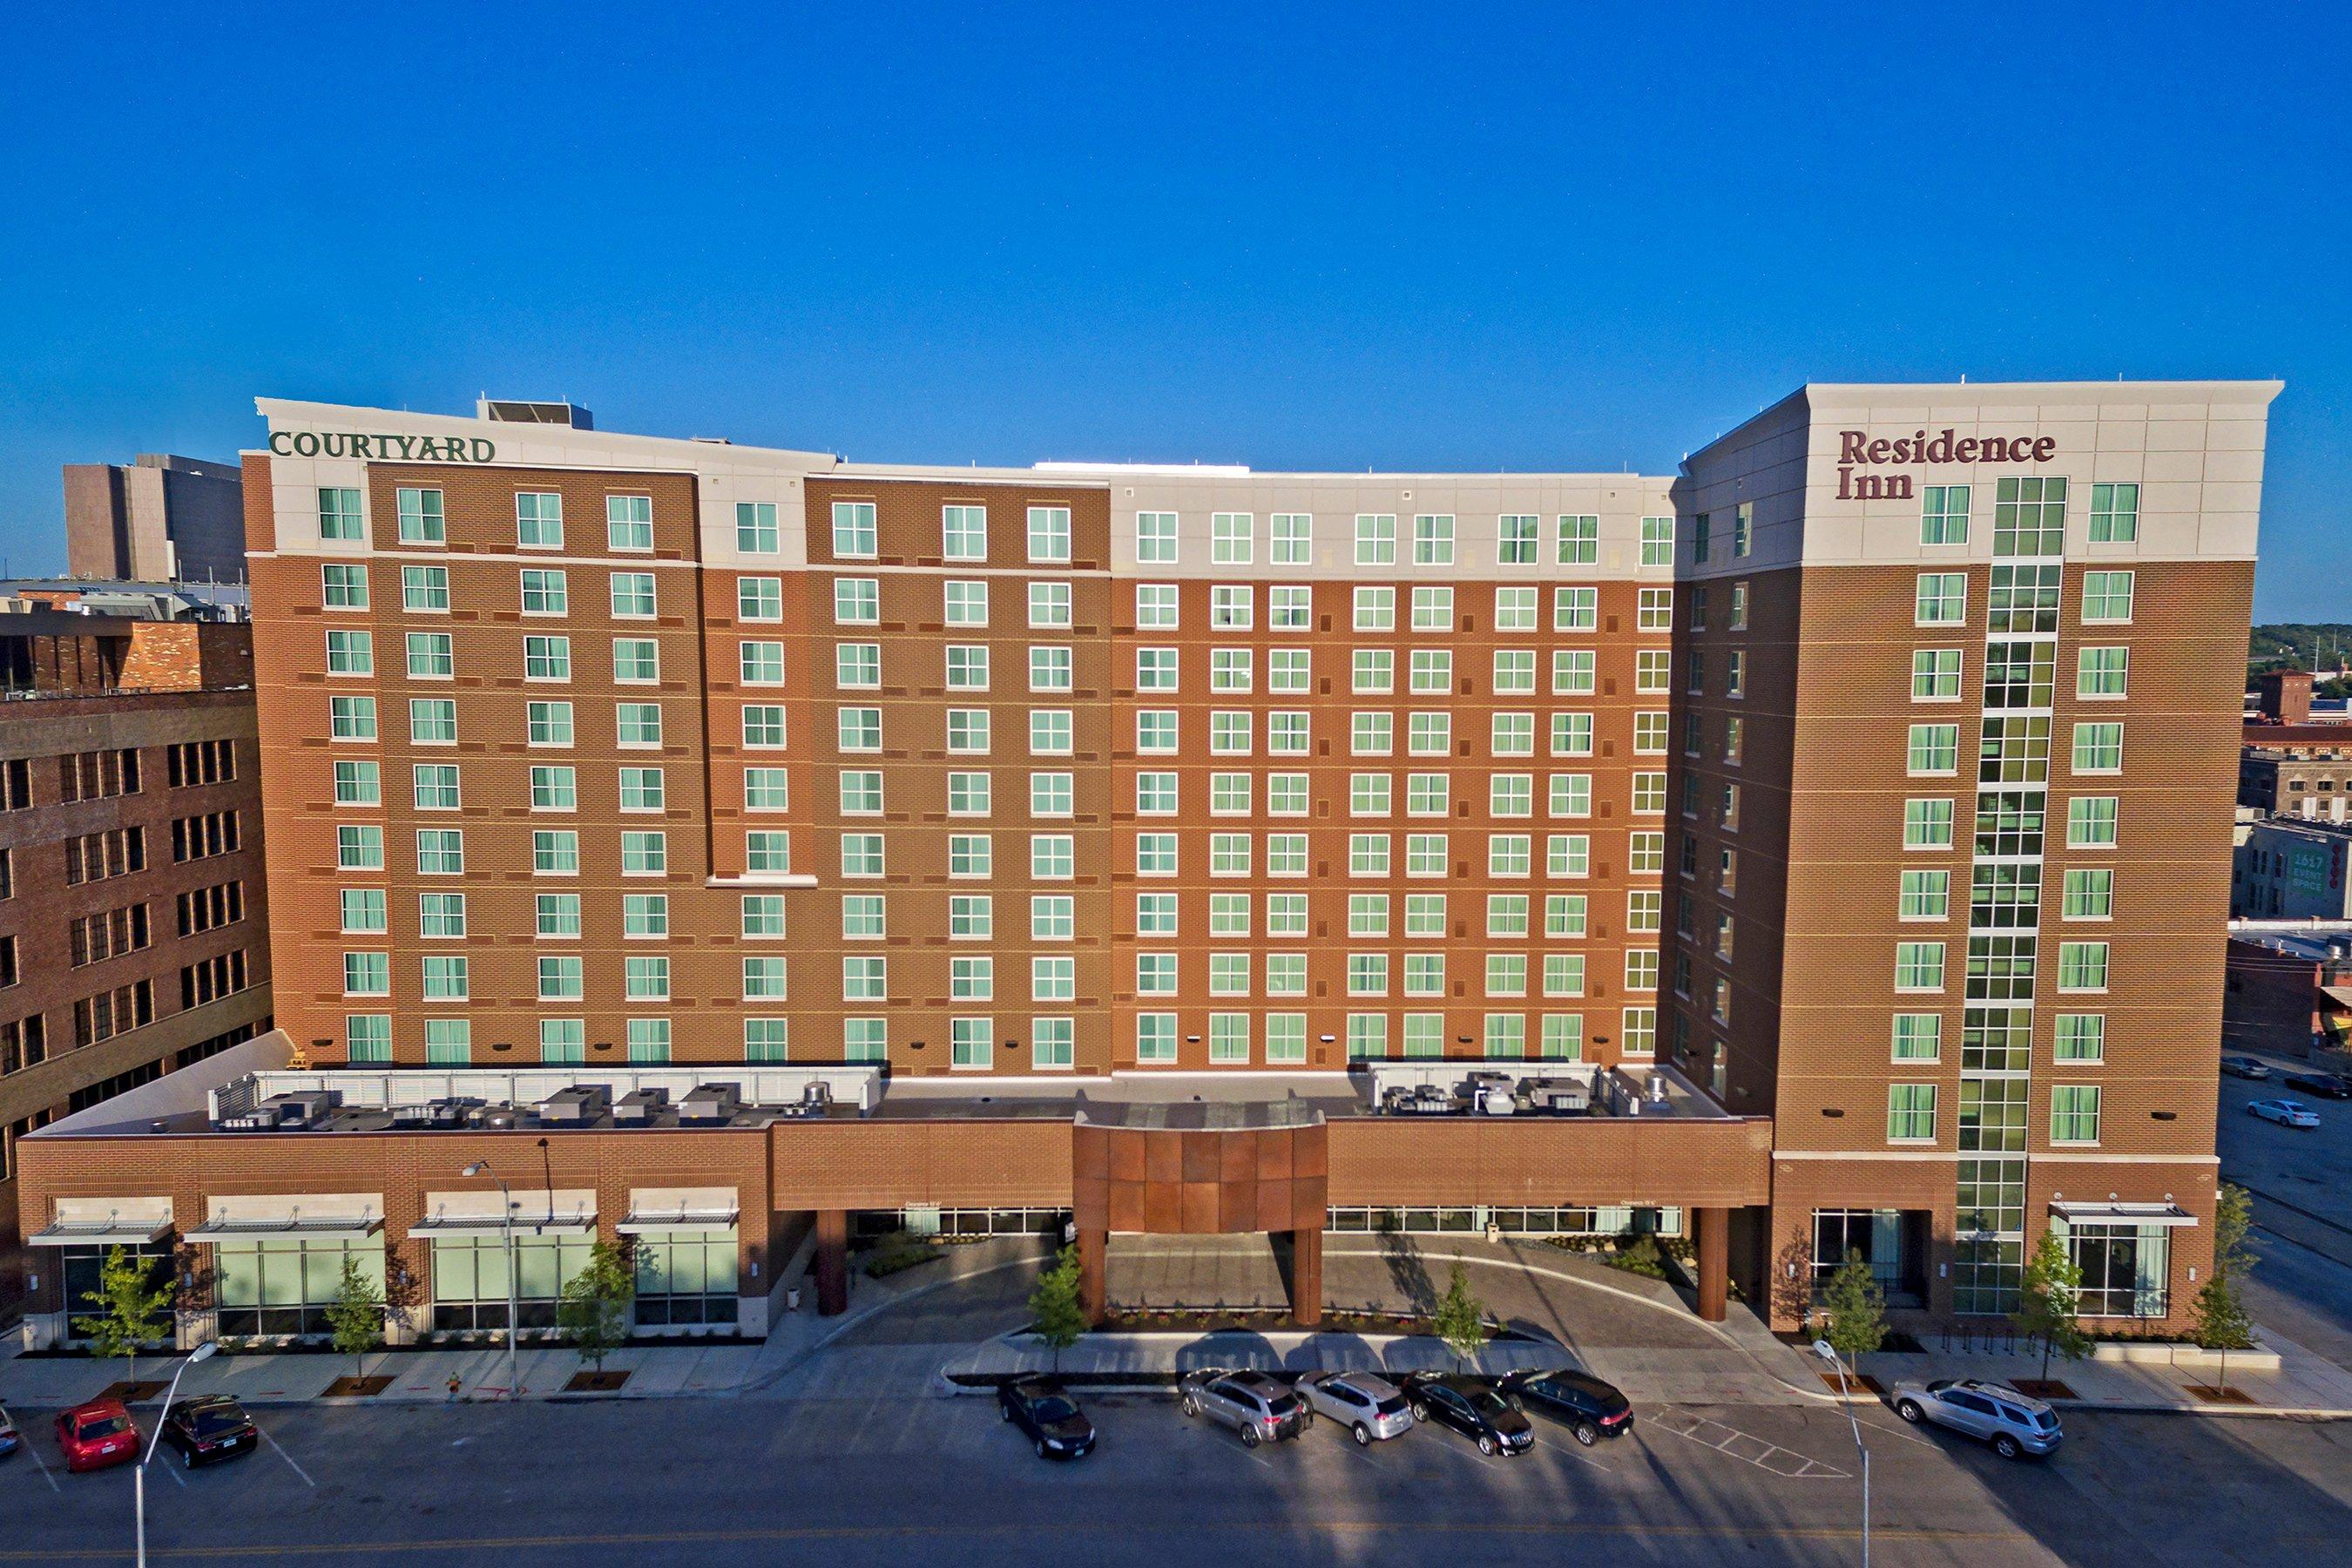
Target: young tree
[(1856, 1308), (593, 1310), (1060, 1315), (130, 1302), (356, 1315), (1461, 1318), (2220, 1317), (2047, 1300)]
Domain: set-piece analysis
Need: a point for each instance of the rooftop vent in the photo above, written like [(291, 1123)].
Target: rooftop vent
[(711, 1102), (506, 413), (638, 1107), (575, 1106)]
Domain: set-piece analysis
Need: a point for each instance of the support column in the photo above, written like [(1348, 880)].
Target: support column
[(1307, 1277), (1714, 1261), (832, 1262), (1093, 1245)]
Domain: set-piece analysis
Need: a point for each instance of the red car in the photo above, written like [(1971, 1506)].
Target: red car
[(97, 1435)]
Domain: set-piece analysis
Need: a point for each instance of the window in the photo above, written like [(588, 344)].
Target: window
[(1375, 609), (545, 723), (1050, 732), (638, 660), (1580, 542), (1432, 540), (1049, 607), (539, 519), (437, 786), (351, 653), (644, 854), (2029, 517), (648, 1043), (543, 657), (1910, 1113), (1926, 895), (1942, 599), (2082, 966), (1375, 672), (1935, 748), (358, 848), (1657, 541), (1375, 538), (1641, 971), (2107, 597), (1232, 538), (437, 914), (633, 595), (628, 523), (767, 789), (1155, 538), (1650, 794), (1743, 529), (2099, 748), (2115, 513), (968, 730), (868, 1039), (424, 589), (2091, 822), (964, 532), (1049, 533), (2089, 894), (1919, 1038), (853, 529), (2074, 1113), (1575, 609), (1515, 609), (344, 587), (1433, 609), (1515, 671), (966, 603), (352, 718), (545, 593), (1292, 533), (1936, 674), (1155, 670), (1049, 669), (445, 977), (1944, 515), (768, 850), (1918, 966), (1516, 539), (763, 723), (339, 515), (2100, 672), (762, 598), (1052, 856), (1638, 1030)]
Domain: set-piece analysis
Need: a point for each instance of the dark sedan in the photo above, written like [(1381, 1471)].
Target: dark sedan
[(2327, 1085), (1472, 1406), (1058, 1429), (1590, 1408), (208, 1429)]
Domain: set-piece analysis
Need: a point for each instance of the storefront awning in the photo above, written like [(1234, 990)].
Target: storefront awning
[(221, 1228), (538, 1224), (290, 1213), (677, 1219), (2122, 1214), (129, 1230)]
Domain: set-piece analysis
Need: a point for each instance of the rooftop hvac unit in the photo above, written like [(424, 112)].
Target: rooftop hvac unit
[(454, 1112), (639, 1106), (1557, 1096), (260, 1119), (711, 1102), (815, 1101), (303, 1107), (496, 1118), (576, 1106)]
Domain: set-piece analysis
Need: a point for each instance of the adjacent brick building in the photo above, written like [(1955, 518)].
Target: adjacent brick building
[(158, 520), (1171, 847)]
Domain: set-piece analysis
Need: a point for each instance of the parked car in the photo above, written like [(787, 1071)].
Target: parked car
[(1261, 1408), (2327, 1085), (97, 1435), (1472, 1406), (1371, 1409), (2285, 1113), (9, 1441), (209, 1428), (1590, 1408), (2245, 1066), (2013, 1424), (1058, 1429)]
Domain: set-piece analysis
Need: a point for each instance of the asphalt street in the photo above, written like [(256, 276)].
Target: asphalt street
[(878, 1479)]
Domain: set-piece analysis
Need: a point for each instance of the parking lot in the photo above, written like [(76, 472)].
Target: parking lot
[(873, 1479)]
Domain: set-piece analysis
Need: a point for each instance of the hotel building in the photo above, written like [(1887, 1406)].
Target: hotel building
[(1821, 849)]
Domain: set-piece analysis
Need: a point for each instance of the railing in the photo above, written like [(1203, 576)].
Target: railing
[(15, 694)]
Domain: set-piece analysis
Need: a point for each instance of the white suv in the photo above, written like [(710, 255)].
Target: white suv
[(2012, 1423)]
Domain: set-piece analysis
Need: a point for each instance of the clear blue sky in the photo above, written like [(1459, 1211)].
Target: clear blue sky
[(1564, 236)]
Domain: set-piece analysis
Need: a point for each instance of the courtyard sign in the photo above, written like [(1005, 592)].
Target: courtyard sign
[(384, 448), (1859, 447)]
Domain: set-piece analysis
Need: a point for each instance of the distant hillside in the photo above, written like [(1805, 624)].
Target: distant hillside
[(2330, 642)]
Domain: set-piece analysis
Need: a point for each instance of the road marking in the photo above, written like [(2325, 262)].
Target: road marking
[(289, 1459), (24, 1441), (1786, 1463), (175, 1475), (1574, 1453)]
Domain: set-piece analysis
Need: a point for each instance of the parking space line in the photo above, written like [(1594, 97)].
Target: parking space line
[(1776, 1460), (1573, 1454), (24, 1441), (176, 1477), (282, 1454)]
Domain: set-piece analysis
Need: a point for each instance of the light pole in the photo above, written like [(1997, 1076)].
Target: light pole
[(482, 1167), (1828, 1353), (139, 1476)]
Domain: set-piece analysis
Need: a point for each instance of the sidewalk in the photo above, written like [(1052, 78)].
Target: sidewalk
[(2304, 1384)]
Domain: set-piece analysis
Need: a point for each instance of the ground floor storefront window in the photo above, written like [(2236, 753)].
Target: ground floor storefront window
[(283, 1284), (1605, 1220), (1892, 1241), (2126, 1269), (469, 1279), (685, 1275), (917, 1220), (81, 1268)]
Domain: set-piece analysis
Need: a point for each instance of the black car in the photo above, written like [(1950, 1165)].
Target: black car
[(1472, 1406), (2328, 1085), (1590, 1408), (209, 1428), (1058, 1429)]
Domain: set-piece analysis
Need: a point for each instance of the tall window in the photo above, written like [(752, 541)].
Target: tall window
[(852, 528), (963, 531), (339, 515), (539, 519), (1944, 515), (2115, 513), (1376, 538), (421, 521), (1049, 533), (1155, 538), (629, 522)]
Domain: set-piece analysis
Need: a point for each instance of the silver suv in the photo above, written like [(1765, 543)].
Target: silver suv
[(1261, 1408), (1369, 1407), (2014, 1424)]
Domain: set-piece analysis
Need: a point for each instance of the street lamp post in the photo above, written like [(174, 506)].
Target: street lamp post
[(1828, 1353), (139, 1476), (482, 1167)]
